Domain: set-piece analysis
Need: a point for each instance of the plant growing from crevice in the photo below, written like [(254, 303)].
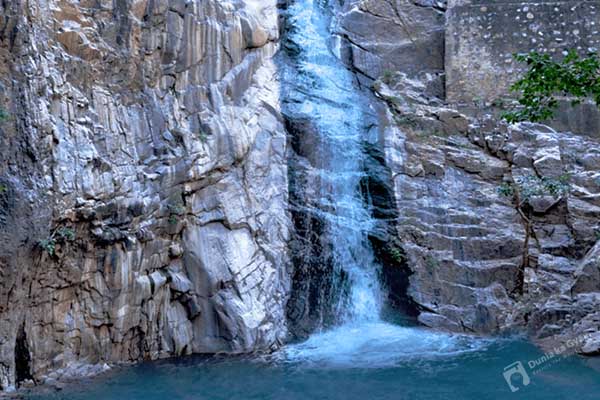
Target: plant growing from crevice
[(60, 235), (575, 77), (387, 77), (49, 245), (176, 210), (65, 233), (530, 186), (3, 115), (506, 189), (521, 191), (431, 262), (203, 136), (397, 255)]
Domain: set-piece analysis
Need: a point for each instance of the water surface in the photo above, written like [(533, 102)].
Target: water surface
[(474, 373)]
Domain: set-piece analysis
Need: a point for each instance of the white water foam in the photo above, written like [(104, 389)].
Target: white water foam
[(377, 345)]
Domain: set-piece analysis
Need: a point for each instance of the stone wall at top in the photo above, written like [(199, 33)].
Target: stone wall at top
[(482, 35)]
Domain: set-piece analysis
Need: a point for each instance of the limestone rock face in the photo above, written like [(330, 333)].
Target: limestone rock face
[(474, 266), (143, 183), (384, 36)]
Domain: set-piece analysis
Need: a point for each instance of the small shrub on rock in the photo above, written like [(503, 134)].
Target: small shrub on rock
[(60, 235), (176, 210), (530, 186)]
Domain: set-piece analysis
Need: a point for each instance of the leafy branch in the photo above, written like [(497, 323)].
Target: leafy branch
[(398, 255), (203, 136), (573, 76), (530, 186)]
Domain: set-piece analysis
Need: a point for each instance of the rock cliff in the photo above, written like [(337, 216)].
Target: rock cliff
[(144, 178), (143, 183), (482, 258)]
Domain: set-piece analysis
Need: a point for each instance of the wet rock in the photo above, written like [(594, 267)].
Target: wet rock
[(587, 276), (591, 346)]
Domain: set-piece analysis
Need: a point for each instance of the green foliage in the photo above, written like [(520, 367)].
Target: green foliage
[(3, 189), (530, 186), (387, 77), (397, 255), (573, 76), (175, 210), (506, 190), (203, 136), (62, 234), (557, 187), (3, 114), (49, 245), (431, 262), (66, 233)]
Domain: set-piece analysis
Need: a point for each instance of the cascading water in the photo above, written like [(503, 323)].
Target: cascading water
[(320, 90), (323, 91)]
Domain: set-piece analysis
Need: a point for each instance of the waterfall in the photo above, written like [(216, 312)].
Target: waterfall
[(328, 118), (320, 88)]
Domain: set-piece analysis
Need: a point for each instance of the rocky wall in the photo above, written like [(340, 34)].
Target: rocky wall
[(379, 37), (478, 262), (144, 183)]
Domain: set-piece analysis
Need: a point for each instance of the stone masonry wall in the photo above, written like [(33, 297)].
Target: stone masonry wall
[(482, 35)]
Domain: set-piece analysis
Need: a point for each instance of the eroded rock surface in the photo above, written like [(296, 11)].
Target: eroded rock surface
[(144, 183), (479, 263), (384, 36), (475, 268)]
